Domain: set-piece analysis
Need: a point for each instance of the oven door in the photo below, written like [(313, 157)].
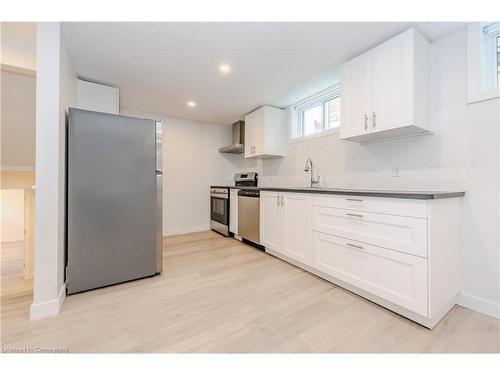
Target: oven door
[(219, 209)]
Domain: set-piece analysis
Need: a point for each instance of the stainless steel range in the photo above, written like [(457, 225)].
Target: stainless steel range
[(246, 179), (219, 201), (219, 209)]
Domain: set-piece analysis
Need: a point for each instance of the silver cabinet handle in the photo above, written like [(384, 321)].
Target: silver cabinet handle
[(354, 199), (366, 121), (374, 120), (355, 246), (282, 200), (356, 215), (278, 200)]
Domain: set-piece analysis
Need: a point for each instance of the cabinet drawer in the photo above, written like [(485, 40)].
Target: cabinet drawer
[(396, 277), (400, 233), (392, 206)]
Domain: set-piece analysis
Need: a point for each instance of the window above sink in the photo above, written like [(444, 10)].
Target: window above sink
[(317, 115)]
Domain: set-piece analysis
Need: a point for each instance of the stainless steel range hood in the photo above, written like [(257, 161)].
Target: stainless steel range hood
[(238, 145)]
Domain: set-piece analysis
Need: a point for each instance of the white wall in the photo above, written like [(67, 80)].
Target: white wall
[(12, 215), (18, 121), (18, 40), (463, 154), (191, 163), (480, 283), (56, 90), (96, 97)]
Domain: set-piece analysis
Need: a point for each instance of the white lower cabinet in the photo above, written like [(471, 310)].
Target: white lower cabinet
[(297, 227), (406, 234), (396, 277), (271, 220), (399, 253), (233, 211), (285, 224)]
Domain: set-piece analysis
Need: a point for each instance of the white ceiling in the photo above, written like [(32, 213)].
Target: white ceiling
[(160, 66)]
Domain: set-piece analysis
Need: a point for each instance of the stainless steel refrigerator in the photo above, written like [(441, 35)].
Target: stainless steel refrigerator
[(114, 195)]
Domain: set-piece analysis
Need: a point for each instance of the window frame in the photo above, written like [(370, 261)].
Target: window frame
[(491, 45), (319, 98), (482, 63), (496, 58)]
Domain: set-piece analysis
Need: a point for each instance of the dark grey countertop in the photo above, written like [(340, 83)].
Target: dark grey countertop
[(402, 194)]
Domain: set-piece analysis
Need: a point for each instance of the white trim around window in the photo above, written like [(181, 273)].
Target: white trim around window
[(316, 107), (482, 61)]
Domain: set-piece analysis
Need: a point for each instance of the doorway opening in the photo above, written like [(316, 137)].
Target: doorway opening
[(16, 241)]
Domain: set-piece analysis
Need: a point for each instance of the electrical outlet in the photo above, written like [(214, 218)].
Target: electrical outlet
[(396, 173)]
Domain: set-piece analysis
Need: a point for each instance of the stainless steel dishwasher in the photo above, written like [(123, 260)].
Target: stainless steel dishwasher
[(249, 215)]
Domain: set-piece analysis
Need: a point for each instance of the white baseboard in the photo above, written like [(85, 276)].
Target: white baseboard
[(174, 231), (13, 239), (16, 168), (484, 306), (47, 308)]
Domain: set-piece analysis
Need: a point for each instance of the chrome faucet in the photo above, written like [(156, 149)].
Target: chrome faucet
[(309, 164)]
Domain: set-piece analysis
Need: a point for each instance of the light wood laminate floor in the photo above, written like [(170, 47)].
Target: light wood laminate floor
[(218, 295)]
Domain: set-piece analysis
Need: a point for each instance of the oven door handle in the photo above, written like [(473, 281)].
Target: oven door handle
[(223, 196)]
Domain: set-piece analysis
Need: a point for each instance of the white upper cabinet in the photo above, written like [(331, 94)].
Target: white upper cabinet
[(356, 100), (386, 92), (265, 134)]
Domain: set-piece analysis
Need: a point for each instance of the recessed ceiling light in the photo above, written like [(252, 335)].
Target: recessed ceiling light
[(191, 104), (224, 68)]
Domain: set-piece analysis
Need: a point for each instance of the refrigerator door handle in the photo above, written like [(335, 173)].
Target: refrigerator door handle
[(158, 141), (159, 224), (159, 197)]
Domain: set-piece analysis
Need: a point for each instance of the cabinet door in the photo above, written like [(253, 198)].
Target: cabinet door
[(251, 134), (271, 220), (396, 277), (264, 133), (233, 211), (356, 96), (297, 226), (261, 124), (392, 81)]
